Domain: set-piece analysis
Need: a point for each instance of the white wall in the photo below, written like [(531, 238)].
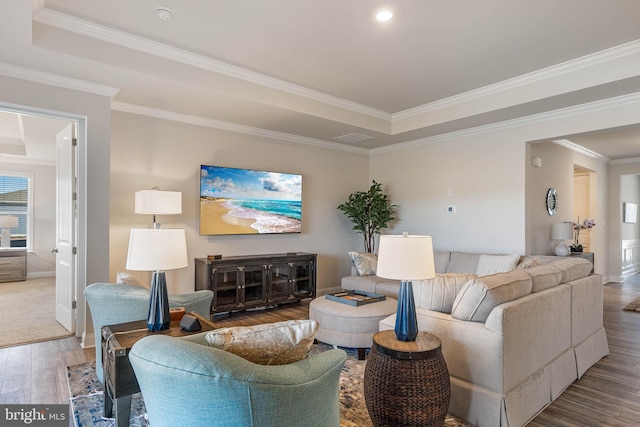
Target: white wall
[(486, 171), (479, 175), (629, 192), (40, 260), (148, 152)]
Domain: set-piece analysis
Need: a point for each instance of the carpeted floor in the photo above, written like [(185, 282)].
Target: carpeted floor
[(634, 306), (29, 308), (87, 400)]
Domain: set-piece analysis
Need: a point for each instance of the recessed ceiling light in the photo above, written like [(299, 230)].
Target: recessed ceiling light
[(384, 15), (164, 13)]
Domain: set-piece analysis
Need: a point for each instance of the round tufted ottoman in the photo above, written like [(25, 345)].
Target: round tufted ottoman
[(349, 326)]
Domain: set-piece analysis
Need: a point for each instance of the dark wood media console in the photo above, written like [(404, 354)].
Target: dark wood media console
[(243, 282)]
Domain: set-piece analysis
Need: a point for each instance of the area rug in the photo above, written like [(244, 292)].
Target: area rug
[(29, 307), (87, 396), (634, 306)]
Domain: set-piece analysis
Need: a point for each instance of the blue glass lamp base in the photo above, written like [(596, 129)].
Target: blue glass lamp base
[(158, 317), (406, 322)]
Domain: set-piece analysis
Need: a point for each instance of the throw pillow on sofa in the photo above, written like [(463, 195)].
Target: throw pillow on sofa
[(492, 264), (478, 297), (277, 343), (366, 263), (439, 293)]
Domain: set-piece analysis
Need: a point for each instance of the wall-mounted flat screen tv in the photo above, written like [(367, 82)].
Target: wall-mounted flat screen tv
[(246, 201)]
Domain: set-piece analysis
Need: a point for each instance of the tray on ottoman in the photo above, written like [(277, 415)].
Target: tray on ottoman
[(355, 298)]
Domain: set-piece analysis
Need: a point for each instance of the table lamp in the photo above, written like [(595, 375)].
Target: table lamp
[(562, 231), (155, 202), (6, 223), (157, 249), (406, 258)]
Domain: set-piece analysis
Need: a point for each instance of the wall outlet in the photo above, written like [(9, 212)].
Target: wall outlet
[(451, 209)]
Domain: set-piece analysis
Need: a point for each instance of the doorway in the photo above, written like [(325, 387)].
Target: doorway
[(42, 266), (584, 203)]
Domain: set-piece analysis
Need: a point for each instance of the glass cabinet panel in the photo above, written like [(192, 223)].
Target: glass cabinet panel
[(225, 285), (253, 285), (279, 280), (303, 283)]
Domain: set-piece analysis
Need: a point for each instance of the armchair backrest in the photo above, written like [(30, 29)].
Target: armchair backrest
[(189, 384), (111, 304)]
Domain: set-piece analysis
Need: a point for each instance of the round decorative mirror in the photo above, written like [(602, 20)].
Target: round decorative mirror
[(552, 201)]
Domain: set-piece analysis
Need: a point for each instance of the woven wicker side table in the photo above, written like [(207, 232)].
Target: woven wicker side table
[(406, 383)]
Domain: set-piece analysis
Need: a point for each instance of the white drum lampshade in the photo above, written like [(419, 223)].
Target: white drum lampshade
[(156, 202), (158, 249)]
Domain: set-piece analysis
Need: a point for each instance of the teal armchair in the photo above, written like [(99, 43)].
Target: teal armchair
[(111, 304), (184, 382)]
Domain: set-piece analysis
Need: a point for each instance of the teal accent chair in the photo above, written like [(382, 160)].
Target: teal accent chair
[(184, 382), (111, 304)]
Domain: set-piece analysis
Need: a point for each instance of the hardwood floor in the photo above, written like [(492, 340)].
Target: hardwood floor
[(607, 395)]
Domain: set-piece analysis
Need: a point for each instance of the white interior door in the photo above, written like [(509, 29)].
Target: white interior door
[(65, 228)]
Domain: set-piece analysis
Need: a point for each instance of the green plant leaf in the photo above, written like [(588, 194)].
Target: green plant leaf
[(370, 212)]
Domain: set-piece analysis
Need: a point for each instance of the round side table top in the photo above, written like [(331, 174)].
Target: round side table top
[(425, 345)]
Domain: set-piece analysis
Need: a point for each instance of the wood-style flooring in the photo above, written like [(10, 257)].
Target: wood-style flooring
[(607, 395)]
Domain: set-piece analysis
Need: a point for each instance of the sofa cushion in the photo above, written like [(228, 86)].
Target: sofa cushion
[(366, 263), (438, 294), (277, 343), (544, 277), (479, 296), (441, 261), (492, 264), (573, 268), (463, 263)]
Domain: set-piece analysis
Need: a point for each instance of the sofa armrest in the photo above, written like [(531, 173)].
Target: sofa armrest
[(198, 301), (536, 329)]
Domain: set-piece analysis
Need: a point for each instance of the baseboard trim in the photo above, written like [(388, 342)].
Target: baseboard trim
[(88, 341)]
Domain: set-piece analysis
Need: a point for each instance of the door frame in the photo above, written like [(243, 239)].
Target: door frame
[(81, 188)]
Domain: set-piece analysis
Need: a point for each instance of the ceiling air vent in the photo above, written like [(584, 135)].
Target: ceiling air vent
[(353, 137)]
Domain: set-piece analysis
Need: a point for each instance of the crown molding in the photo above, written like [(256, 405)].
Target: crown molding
[(46, 78), (561, 113), (231, 127), (525, 79), (625, 161), (79, 26), (579, 149)]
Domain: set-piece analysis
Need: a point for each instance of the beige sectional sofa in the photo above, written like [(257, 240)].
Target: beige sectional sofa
[(513, 341)]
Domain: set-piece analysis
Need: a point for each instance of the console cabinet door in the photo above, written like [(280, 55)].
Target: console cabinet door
[(253, 286), (279, 282), (226, 286), (302, 279)]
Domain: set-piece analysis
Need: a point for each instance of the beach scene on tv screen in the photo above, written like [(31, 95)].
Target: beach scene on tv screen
[(244, 201)]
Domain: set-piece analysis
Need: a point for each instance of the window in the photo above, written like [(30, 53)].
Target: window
[(15, 200)]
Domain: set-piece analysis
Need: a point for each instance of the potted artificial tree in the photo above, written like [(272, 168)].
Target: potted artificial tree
[(370, 211)]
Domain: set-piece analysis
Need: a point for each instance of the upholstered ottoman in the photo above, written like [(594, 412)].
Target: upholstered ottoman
[(349, 326)]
